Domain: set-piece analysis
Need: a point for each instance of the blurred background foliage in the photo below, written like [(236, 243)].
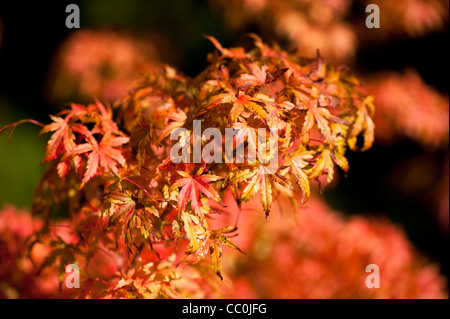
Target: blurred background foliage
[(400, 178)]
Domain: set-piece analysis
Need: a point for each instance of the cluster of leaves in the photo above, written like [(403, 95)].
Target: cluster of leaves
[(111, 169)]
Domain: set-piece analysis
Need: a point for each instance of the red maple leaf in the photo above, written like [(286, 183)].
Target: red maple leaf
[(101, 154), (62, 134), (192, 188)]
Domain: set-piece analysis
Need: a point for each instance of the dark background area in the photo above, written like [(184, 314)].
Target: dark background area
[(33, 32)]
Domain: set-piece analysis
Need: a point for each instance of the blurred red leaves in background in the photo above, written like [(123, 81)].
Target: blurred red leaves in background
[(320, 20), (102, 64), (335, 27), (315, 252), (408, 107), (18, 275)]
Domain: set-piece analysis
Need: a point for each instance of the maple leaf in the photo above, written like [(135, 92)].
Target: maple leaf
[(324, 164), (179, 118), (105, 117), (142, 134), (267, 51), (244, 131), (203, 241), (101, 154), (62, 135), (320, 116), (259, 181), (192, 188), (216, 258), (125, 205), (363, 124), (237, 175), (276, 116), (257, 76), (340, 145), (123, 208), (321, 68), (239, 103), (297, 161), (233, 53), (217, 237), (197, 233)]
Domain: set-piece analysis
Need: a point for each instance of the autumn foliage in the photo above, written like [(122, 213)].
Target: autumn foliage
[(111, 179)]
